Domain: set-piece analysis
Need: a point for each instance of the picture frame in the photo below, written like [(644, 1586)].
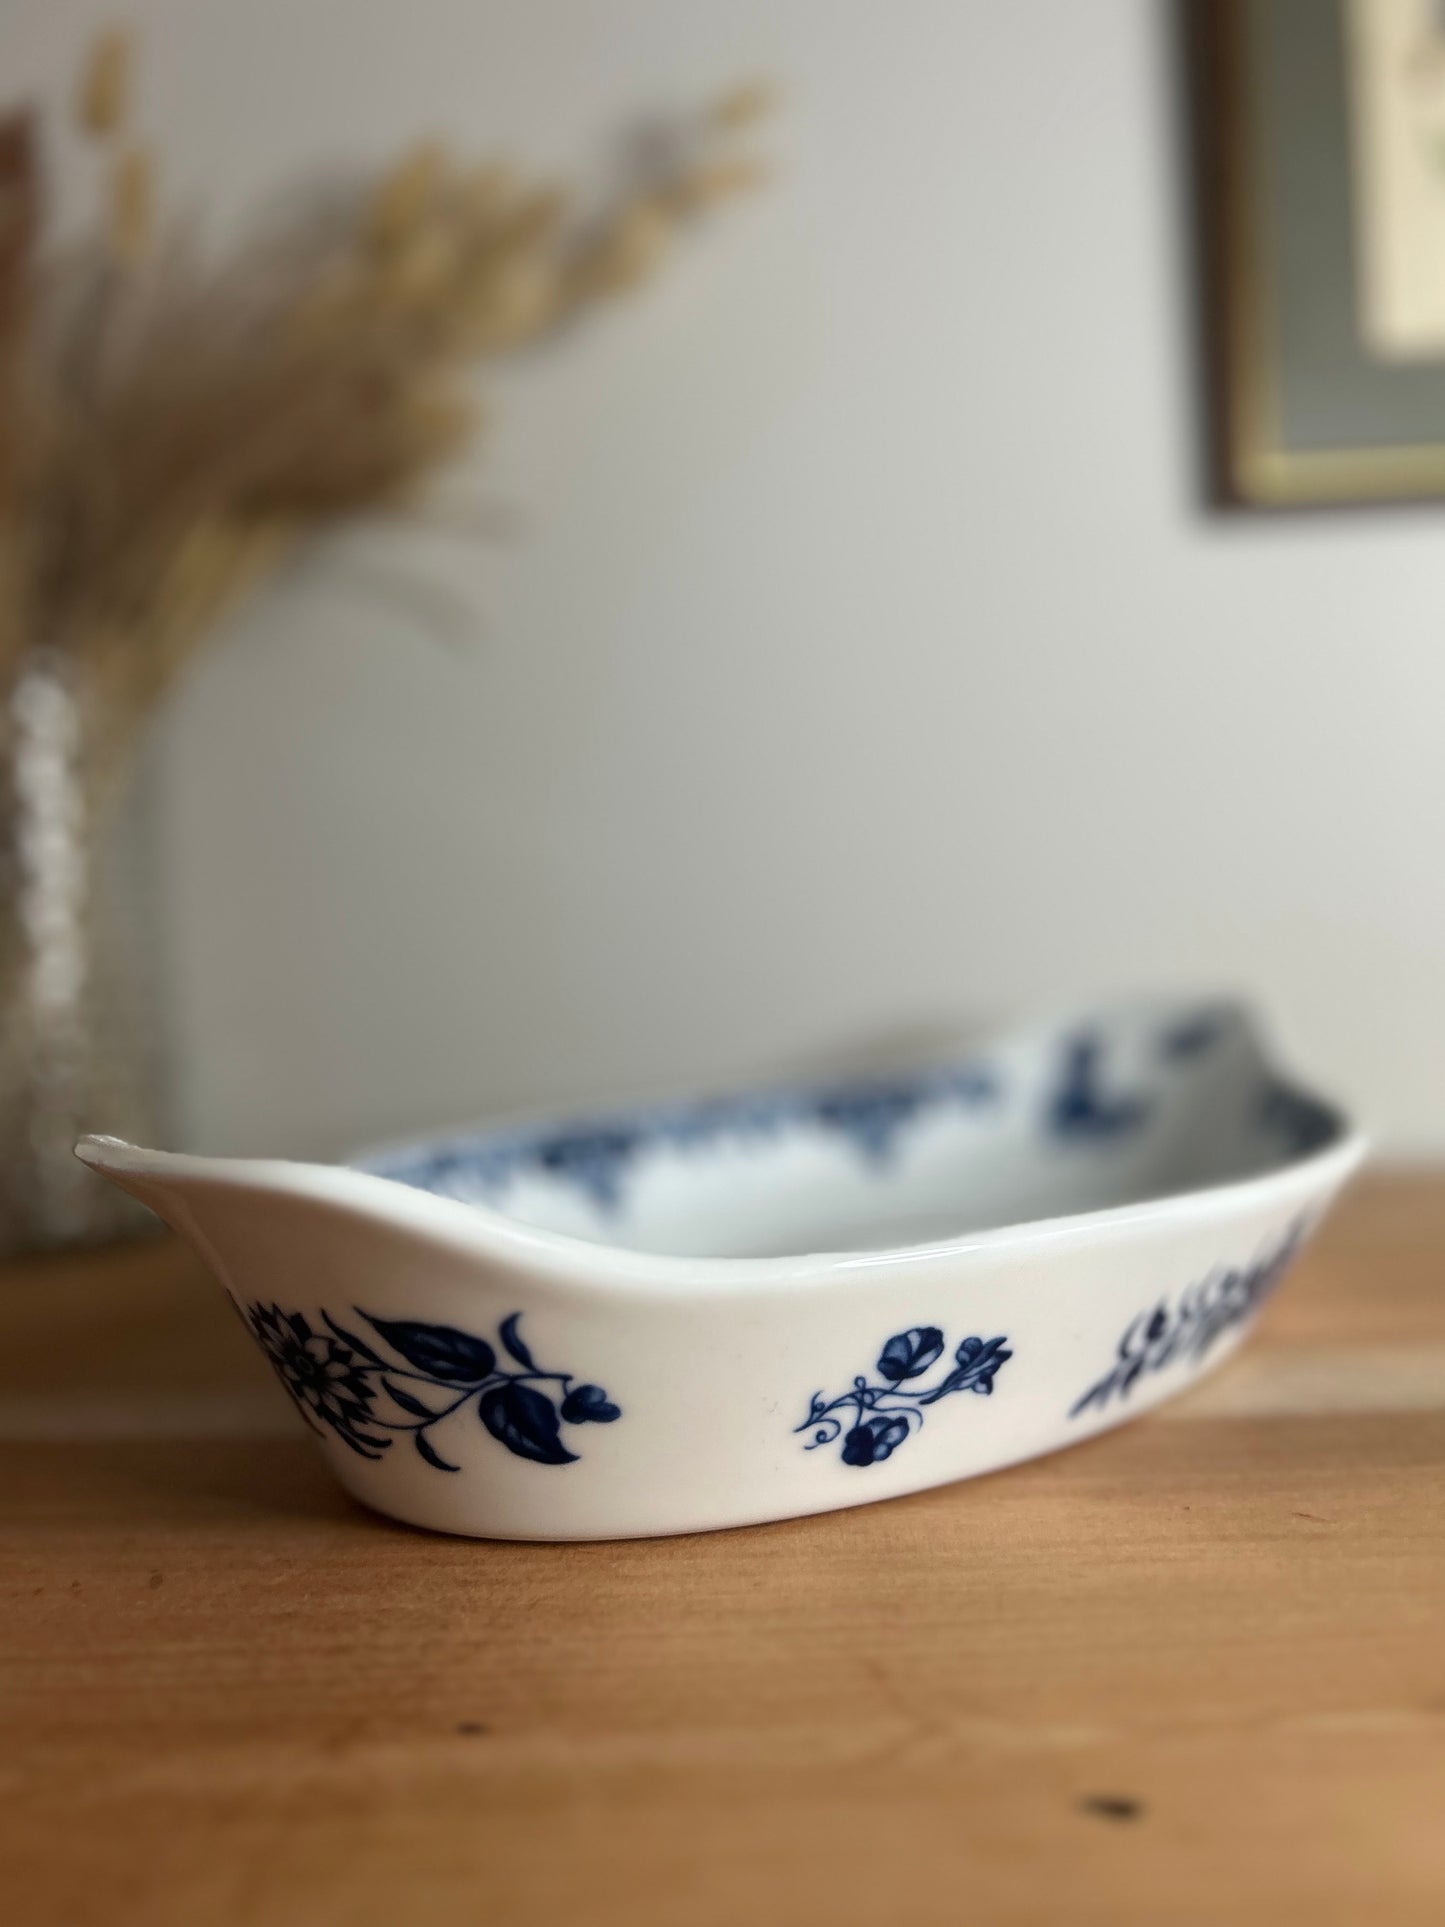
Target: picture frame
[(1319, 133)]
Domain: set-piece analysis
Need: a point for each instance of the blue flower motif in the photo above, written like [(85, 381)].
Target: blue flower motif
[(586, 1404), (873, 1441), (881, 1415), (341, 1382), (909, 1354), (324, 1373)]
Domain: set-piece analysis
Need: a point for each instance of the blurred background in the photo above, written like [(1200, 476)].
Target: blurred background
[(860, 660)]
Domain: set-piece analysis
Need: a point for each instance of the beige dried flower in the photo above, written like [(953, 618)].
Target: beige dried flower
[(479, 195), (419, 274), (533, 218), (132, 204), (169, 434), (508, 302), (743, 105), (715, 181), (103, 96), (628, 249), (336, 298), (407, 194)]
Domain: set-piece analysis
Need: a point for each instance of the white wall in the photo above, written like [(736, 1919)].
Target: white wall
[(865, 665)]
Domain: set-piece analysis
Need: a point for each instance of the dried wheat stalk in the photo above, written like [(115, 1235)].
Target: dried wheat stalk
[(172, 425)]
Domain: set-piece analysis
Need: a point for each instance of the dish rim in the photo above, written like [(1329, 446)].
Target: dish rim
[(474, 1229)]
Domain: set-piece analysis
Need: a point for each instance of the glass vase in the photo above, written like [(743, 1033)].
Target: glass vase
[(73, 1049)]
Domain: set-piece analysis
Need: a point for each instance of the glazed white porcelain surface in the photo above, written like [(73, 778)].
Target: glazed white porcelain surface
[(752, 1307)]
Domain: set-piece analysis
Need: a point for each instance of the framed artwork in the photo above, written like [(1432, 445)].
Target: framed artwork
[(1321, 154)]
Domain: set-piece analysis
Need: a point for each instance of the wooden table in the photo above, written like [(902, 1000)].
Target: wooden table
[(1193, 1671)]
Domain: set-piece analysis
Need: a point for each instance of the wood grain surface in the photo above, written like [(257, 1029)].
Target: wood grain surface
[(1192, 1671)]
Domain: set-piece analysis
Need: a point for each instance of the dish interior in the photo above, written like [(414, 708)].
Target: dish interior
[(1081, 1117)]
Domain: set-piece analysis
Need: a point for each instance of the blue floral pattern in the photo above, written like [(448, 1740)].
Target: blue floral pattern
[(1192, 1036), (1096, 1085), (341, 1382), (1302, 1123), (595, 1155), (1081, 1106), (874, 1420), (1189, 1327)]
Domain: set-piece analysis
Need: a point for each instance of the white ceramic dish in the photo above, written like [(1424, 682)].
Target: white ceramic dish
[(754, 1307)]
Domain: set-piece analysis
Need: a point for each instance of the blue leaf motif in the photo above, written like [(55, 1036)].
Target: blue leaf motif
[(438, 1350), (909, 1354), (350, 1338), (431, 1455), (406, 1400), (589, 1403), (507, 1332), (525, 1422), (976, 1362)]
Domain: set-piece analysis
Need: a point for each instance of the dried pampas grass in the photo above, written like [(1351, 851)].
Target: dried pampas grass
[(172, 424)]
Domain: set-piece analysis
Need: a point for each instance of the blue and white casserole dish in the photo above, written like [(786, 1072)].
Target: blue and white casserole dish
[(759, 1306)]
